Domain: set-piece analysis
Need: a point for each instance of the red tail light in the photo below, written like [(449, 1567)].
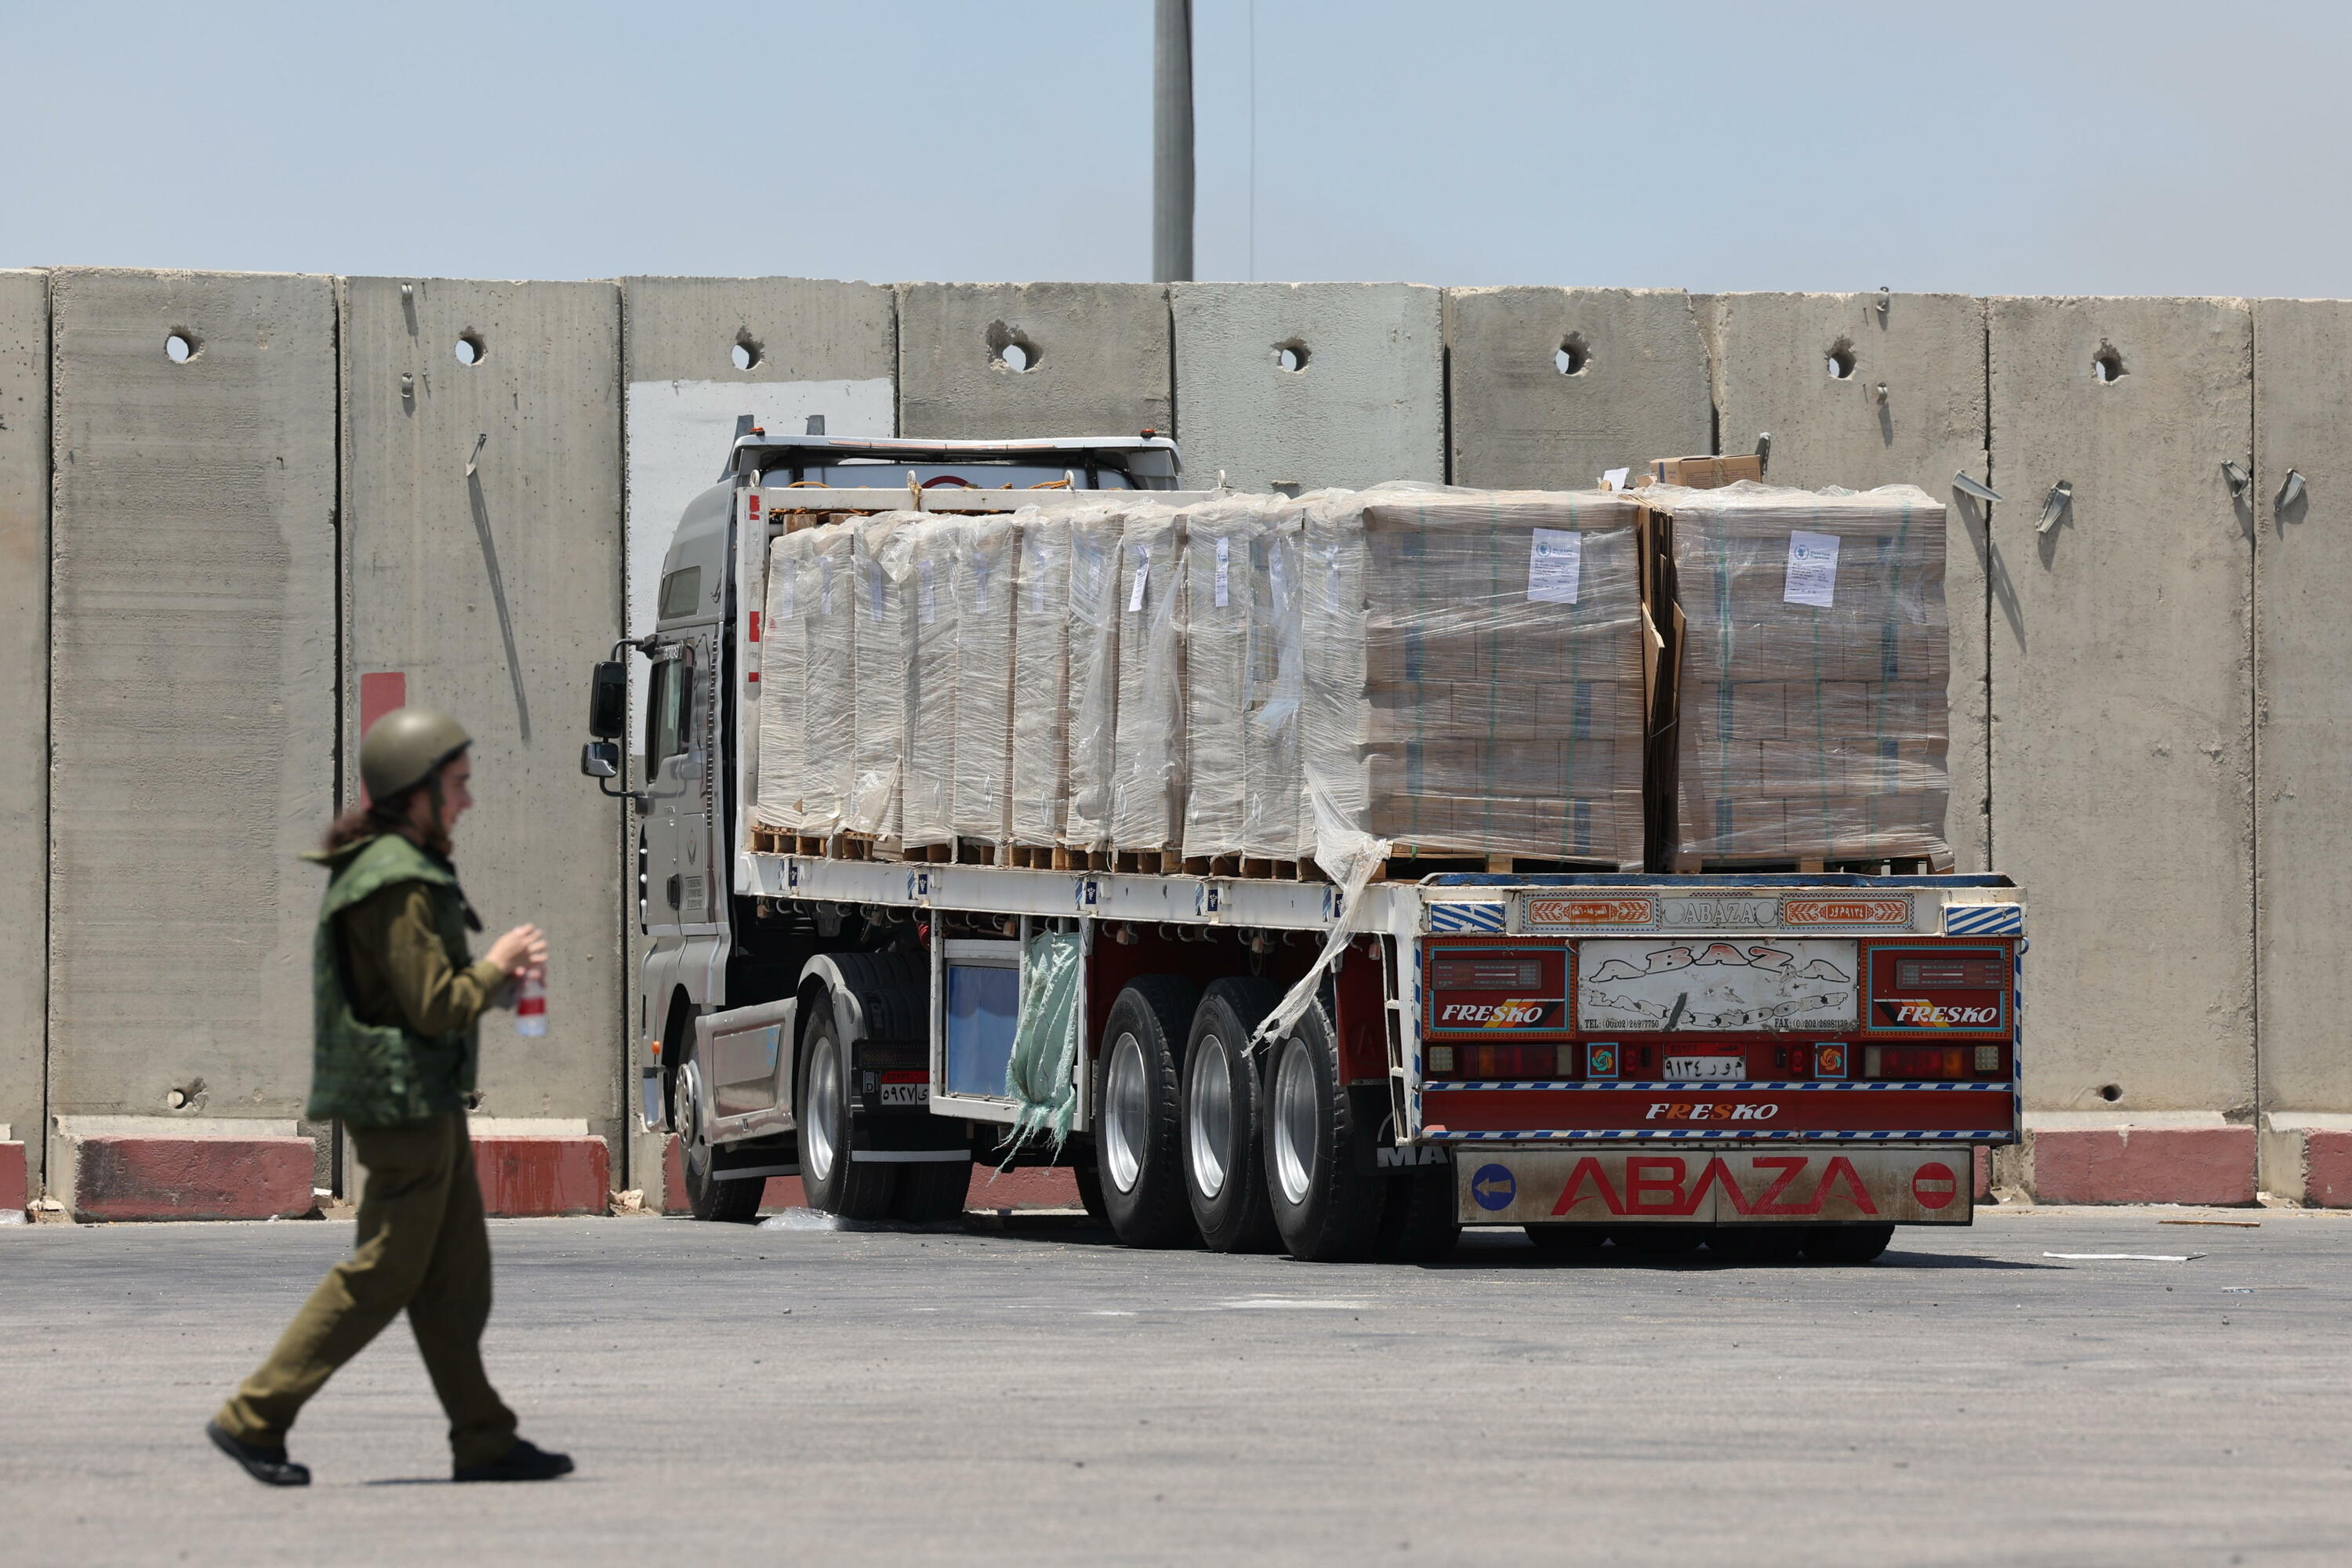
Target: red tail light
[(1914, 1061), (1501, 1061)]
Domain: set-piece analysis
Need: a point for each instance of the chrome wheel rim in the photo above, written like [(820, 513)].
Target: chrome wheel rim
[(1126, 1109), (1208, 1115), (1294, 1118), (821, 1131), (690, 1117)]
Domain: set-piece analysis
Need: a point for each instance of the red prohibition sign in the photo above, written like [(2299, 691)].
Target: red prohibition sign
[(1934, 1185)]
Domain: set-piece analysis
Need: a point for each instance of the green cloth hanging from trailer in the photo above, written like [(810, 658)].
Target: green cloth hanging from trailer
[(1042, 1073)]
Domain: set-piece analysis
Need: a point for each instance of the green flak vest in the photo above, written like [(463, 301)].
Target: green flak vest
[(370, 1074)]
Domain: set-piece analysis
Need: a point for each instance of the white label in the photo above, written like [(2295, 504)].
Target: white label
[(1142, 572), (791, 586), (1223, 551), (931, 595), (1555, 560), (1812, 569), (1614, 479)]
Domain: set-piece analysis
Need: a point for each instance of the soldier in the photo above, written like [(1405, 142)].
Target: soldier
[(397, 1003)]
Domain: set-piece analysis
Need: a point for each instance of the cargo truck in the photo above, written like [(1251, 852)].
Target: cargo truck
[(1767, 1063)]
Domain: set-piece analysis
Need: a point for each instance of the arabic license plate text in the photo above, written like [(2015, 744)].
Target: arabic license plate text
[(1702, 1068), (906, 1094)]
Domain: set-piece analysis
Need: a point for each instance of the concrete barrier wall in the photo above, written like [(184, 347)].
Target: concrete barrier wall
[(25, 716), (1878, 389), (1366, 402), (482, 571), (1551, 388), (2122, 695), (1096, 359), (2303, 736), (2112, 708), (192, 688)]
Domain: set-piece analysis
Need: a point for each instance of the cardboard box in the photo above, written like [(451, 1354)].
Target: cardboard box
[(1705, 473)]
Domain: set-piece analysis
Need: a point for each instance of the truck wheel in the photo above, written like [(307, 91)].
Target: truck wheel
[(1138, 1116), (1847, 1243), (707, 1197), (1560, 1240), (1224, 1169), (1090, 1193), (1418, 1223), (836, 1183), (1327, 1198), (930, 1192)]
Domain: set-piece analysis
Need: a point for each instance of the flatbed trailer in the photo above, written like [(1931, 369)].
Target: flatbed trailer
[(1770, 1063)]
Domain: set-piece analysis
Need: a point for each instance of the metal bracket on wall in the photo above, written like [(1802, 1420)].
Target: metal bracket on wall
[(2239, 480), (1968, 487), (2292, 491), (2056, 505)]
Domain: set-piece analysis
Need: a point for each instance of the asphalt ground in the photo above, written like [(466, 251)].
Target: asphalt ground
[(1039, 1395)]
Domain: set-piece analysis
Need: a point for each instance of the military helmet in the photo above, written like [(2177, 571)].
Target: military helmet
[(405, 747)]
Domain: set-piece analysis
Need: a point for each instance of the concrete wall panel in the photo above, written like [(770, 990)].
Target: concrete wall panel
[(489, 596), (2122, 691), (1633, 385), (1776, 355), (1367, 404), (2302, 737), (1096, 353), (192, 688), (25, 716)]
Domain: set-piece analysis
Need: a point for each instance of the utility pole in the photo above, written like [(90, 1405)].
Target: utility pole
[(1171, 143)]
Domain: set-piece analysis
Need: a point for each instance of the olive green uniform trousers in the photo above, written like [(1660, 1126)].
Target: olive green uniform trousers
[(422, 1245)]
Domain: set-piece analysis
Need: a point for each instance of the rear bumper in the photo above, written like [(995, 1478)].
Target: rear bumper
[(1875, 1112), (1778, 1183)]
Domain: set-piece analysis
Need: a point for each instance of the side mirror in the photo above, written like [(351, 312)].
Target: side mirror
[(608, 703), (601, 760)]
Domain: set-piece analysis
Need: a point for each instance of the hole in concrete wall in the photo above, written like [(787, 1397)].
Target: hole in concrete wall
[(2107, 366), (748, 350), (176, 1099), (2111, 1092), (1571, 356), (180, 347), (1291, 356), (1840, 361), (471, 350), (1013, 348)]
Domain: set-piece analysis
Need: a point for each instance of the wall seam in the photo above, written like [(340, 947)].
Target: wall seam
[(1985, 321), (48, 717), (337, 292), (2254, 456), (625, 1143)]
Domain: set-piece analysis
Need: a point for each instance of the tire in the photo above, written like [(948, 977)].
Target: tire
[(707, 1197), (1757, 1243), (931, 1193), (1847, 1243), (1326, 1195), (1418, 1223), (1563, 1240), (1224, 1164), (1138, 1114), (1658, 1239), (1090, 1193), (836, 1183)]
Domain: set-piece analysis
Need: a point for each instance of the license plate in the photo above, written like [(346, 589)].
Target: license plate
[(1701, 1069), (906, 1094)]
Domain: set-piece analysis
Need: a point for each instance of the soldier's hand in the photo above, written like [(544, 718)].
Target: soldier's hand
[(521, 953)]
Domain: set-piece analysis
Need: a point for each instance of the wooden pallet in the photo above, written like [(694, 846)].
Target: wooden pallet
[(1867, 865), (1411, 862)]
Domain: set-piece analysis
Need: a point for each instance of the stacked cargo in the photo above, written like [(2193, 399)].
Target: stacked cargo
[(1243, 783), (987, 567), (1475, 673), (1812, 674)]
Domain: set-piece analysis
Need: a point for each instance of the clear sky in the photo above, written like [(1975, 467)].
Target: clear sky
[(2050, 148)]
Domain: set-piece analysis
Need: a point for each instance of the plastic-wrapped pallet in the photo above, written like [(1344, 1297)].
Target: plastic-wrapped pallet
[(1147, 793), (1041, 675), (987, 567), (1475, 673), (783, 686), (828, 603), (1813, 680), (934, 660), (1091, 688), (1222, 538), (882, 638)]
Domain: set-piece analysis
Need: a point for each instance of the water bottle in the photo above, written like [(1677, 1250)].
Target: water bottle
[(530, 1006)]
